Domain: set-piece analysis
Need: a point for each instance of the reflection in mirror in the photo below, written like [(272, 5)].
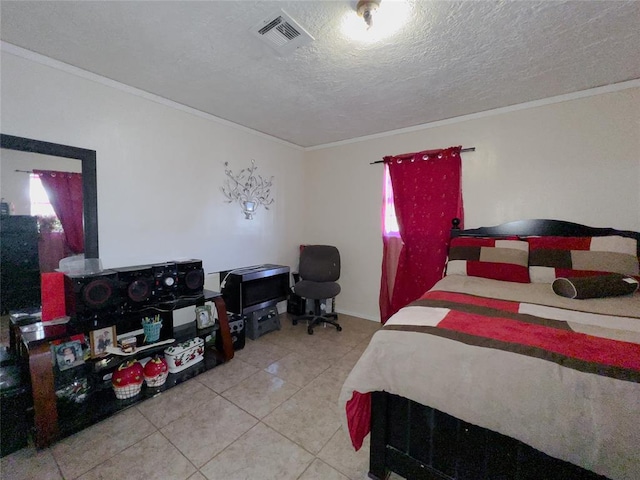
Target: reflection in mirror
[(33, 238), (24, 194)]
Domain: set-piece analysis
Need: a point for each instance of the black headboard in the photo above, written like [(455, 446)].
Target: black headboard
[(541, 227)]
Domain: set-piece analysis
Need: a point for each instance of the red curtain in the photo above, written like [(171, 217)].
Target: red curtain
[(64, 190), (52, 247), (427, 194)]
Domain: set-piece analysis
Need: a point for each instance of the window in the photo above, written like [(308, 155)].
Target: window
[(389, 220), (40, 205)]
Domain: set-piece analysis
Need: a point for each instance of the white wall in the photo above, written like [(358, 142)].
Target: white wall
[(578, 160), (160, 170)]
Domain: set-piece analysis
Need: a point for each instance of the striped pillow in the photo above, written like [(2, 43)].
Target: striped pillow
[(489, 258), (552, 257)]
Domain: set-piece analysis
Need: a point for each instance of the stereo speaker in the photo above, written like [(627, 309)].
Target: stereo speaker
[(190, 278), (86, 294), (237, 324), (165, 286), (136, 286), (52, 296)]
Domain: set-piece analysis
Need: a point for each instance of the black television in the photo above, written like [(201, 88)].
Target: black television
[(249, 289)]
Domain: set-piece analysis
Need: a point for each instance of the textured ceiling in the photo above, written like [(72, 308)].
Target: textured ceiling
[(451, 58)]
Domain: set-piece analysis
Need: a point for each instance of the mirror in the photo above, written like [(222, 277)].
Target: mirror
[(89, 188), (42, 154)]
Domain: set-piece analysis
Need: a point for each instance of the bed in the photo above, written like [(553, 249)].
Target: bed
[(493, 374)]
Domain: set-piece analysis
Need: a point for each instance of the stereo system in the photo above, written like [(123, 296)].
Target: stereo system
[(88, 293), (136, 286), (165, 287), (190, 278), (132, 289)]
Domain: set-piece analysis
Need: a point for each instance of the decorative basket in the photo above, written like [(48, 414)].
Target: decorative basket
[(128, 391), (127, 379), (156, 381), (156, 371), (151, 331)]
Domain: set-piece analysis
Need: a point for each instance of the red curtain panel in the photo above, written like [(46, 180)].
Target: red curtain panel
[(427, 195), (52, 247), (64, 190)]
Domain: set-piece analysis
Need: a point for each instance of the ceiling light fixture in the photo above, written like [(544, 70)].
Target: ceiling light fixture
[(366, 9), (390, 16)]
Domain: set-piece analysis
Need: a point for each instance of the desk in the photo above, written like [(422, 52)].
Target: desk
[(33, 343)]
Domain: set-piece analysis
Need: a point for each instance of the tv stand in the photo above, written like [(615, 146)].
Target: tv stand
[(53, 421)]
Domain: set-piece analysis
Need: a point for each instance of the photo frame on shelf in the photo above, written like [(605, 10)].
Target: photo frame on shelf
[(204, 316), (69, 354), (101, 339)]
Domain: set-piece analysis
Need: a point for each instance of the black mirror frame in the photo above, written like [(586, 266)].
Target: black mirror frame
[(89, 180)]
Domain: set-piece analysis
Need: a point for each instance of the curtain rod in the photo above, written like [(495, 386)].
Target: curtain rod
[(31, 171), (470, 149)]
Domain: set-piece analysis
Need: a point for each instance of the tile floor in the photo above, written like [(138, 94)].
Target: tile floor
[(269, 413)]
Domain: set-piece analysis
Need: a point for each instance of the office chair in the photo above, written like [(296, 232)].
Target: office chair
[(319, 269)]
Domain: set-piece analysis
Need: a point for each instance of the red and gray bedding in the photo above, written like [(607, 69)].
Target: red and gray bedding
[(561, 375), (551, 257)]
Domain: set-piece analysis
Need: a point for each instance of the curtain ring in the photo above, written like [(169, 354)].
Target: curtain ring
[(439, 155), (399, 160), (425, 157)]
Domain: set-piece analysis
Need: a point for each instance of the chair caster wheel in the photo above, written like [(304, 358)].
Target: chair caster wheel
[(310, 331), (339, 328), (294, 322)]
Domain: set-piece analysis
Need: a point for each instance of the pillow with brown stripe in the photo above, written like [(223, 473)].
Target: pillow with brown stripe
[(489, 258), (611, 285), (553, 257)]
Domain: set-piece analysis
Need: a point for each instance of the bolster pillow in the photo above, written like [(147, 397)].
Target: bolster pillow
[(599, 286)]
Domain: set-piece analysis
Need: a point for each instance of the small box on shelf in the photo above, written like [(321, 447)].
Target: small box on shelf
[(184, 355), (128, 344)]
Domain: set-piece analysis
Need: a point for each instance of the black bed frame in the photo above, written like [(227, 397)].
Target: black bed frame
[(419, 442)]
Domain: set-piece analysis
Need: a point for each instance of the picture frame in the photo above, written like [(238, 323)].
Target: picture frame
[(69, 354), (101, 339), (204, 316)]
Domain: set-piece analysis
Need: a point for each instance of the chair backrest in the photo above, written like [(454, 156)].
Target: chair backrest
[(320, 263)]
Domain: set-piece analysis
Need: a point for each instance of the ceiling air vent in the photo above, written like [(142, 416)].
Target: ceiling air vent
[(282, 33)]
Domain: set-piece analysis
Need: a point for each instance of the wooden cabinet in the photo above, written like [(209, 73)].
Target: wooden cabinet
[(55, 418), (19, 264)]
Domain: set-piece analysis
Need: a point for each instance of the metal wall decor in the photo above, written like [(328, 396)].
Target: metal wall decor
[(248, 189)]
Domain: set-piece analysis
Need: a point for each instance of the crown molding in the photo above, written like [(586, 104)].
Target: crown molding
[(616, 87), (94, 77), (65, 67)]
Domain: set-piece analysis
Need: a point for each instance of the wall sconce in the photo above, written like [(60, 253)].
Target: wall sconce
[(248, 189)]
